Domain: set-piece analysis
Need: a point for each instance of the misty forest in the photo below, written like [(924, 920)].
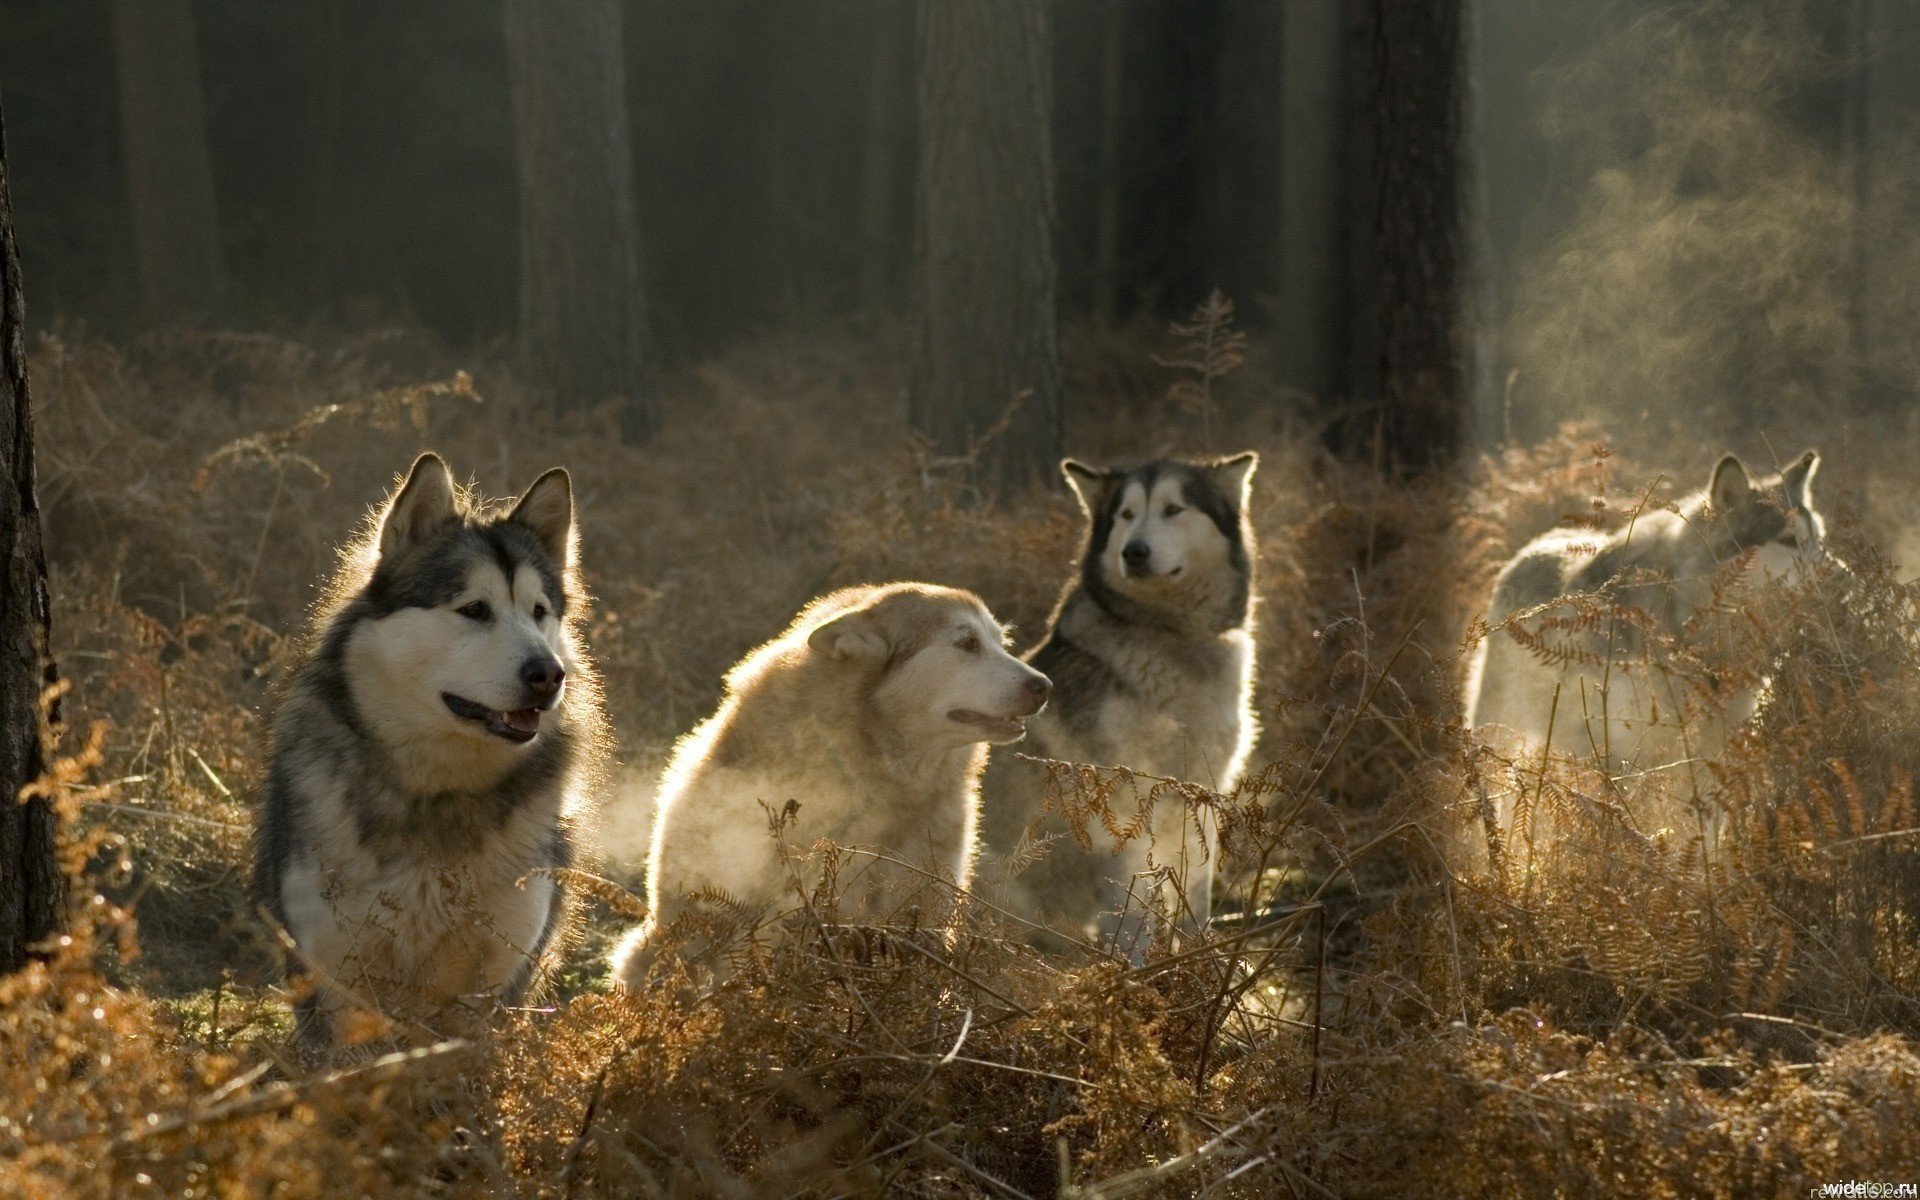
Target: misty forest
[(1402, 673)]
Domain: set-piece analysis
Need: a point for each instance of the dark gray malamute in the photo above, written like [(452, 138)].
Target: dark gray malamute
[(430, 748), (1151, 655)]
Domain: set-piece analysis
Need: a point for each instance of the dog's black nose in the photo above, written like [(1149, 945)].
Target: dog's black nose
[(543, 676), (1040, 687), (1135, 554)]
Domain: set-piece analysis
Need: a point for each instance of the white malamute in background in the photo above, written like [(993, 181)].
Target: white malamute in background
[(864, 724), (1151, 653), (430, 748), (1615, 699)]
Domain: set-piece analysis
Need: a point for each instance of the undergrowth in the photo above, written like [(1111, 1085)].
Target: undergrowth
[(1406, 993)]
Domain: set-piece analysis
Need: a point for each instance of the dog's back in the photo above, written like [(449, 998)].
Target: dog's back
[(1583, 625), (1500, 685)]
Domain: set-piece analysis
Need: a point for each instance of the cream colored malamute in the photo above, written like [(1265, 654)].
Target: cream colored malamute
[(864, 724)]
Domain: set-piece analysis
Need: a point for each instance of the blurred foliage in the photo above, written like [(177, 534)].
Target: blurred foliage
[(363, 165)]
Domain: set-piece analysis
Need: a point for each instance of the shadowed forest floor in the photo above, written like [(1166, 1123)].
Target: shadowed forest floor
[(1407, 997)]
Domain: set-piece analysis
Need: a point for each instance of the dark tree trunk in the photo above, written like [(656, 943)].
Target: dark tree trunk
[(176, 232), (329, 100), (582, 323), (1106, 183), (887, 74), (987, 336), (30, 887), (1407, 287), (1857, 146), (1309, 333)]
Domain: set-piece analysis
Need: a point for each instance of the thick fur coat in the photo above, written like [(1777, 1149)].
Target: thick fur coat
[(864, 724), (1151, 651), (1618, 695), (434, 743)]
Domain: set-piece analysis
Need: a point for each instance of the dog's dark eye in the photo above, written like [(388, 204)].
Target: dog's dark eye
[(539, 612), (478, 610), (1174, 510), (1126, 514), (970, 643)]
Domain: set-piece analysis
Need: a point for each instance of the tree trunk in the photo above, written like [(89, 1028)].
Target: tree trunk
[(582, 323), (1307, 340), (987, 336), (329, 100), (30, 887), (176, 232), (879, 172), (1407, 287), (1857, 147), (1106, 183)]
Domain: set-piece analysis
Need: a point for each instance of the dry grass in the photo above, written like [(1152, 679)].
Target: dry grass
[(1388, 1009)]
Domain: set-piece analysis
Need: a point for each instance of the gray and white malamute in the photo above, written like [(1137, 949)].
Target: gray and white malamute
[(1151, 655), (1621, 695), (430, 748)]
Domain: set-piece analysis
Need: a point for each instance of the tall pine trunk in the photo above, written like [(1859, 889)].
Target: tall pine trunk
[(30, 887), (1311, 287), (176, 230), (1857, 147), (325, 196), (1406, 297), (582, 321), (887, 74), (1106, 204), (987, 273)]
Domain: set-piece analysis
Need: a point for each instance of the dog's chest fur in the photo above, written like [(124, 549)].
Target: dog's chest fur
[(384, 887), (1165, 703)]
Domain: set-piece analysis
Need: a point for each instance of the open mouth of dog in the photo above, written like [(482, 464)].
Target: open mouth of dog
[(997, 729), (519, 725)]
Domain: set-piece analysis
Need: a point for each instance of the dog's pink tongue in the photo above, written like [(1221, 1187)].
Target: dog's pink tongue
[(526, 720)]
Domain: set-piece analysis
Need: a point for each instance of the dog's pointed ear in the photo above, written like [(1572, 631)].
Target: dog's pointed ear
[(1798, 478), (423, 504), (851, 635), (1233, 477), (547, 509), (1088, 484), (1731, 486)]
